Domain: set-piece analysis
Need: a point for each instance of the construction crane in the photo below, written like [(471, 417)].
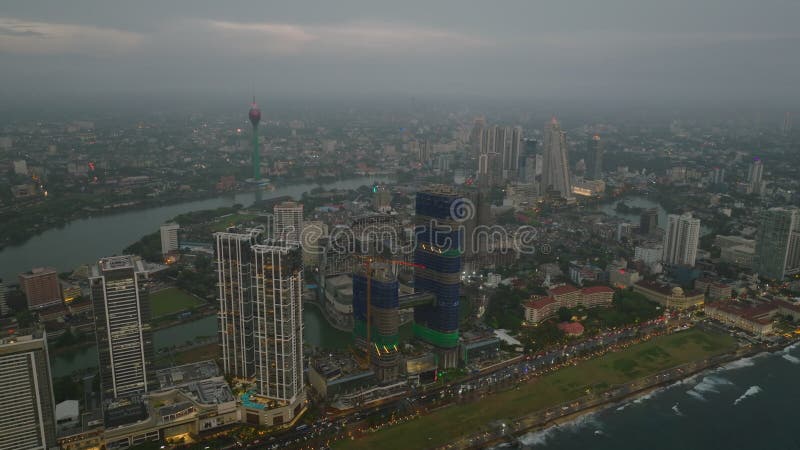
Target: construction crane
[(368, 260)]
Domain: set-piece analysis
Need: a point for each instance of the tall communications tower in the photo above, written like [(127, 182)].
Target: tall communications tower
[(255, 118)]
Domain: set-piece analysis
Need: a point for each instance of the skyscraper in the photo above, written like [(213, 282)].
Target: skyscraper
[(278, 321), (169, 238), (555, 174), (511, 153), (26, 393), (234, 257), (384, 320), (648, 221), (680, 239), (439, 214), (778, 243), (41, 287), (124, 338), (754, 183), (594, 165), (288, 217), (255, 117)]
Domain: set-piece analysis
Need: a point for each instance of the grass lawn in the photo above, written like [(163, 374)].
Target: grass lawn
[(234, 219), (201, 353), (599, 374), (170, 301)]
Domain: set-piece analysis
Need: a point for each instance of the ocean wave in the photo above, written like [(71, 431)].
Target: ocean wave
[(541, 437), (751, 391), (710, 384), (742, 363), (677, 410), (696, 395), (791, 358)]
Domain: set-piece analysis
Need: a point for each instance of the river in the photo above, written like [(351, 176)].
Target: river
[(85, 240), (317, 333), (746, 404)]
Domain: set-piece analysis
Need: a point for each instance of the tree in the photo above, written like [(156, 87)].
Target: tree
[(564, 314)]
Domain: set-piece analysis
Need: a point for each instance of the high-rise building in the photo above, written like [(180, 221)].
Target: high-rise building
[(778, 243), (384, 318), (278, 321), (680, 239), (41, 287), (555, 173), (4, 309), (439, 235), (234, 258), (255, 117), (123, 334), (787, 123), (169, 238), (288, 217), (26, 393), (717, 175), (511, 153), (594, 165), (755, 185), (648, 221)]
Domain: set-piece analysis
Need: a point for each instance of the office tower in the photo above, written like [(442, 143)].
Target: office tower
[(313, 233), (124, 338), (424, 152), (26, 393), (288, 217), (278, 320), (41, 287), (680, 239), (169, 238), (648, 221), (475, 136), (777, 242), (234, 257), (754, 183), (594, 163), (384, 321), (438, 249), (511, 153), (787, 123), (255, 117), (555, 172)]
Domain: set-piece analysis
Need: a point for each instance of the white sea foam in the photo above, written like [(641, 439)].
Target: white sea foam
[(751, 391), (791, 358), (541, 437), (676, 410), (696, 395), (742, 363), (711, 384)]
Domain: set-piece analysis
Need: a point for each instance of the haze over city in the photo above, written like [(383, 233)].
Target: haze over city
[(361, 225)]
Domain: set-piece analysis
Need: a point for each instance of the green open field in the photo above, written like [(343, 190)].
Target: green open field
[(448, 424), (170, 301), (223, 223)]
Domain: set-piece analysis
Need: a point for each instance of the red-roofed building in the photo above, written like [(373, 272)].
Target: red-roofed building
[(756, 319), (572, 329), (540, 308)]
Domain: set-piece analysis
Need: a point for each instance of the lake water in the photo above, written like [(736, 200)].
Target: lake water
[(317, 333), (86, 240)]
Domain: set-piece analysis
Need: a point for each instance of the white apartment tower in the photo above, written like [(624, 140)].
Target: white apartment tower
[(26, 393), (169, 238), (124, 338), (680, 239), (278, 320), (555, 171), (288, 221)]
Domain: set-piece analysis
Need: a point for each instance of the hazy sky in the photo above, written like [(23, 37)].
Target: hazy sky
[(593, 49)]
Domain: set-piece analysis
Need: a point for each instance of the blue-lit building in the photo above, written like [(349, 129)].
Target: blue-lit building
[(440, 213)]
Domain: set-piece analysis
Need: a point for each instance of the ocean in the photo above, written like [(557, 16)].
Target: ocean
[(747, 404)]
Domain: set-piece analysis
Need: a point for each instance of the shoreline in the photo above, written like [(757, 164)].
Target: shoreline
[(514, 438)]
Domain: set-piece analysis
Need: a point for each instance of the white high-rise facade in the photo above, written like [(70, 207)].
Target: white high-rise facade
[(124, 338), (555, 171), (278, 320), (169, 238), (680, 239), (26, 393), (288, 221), (755, 184)]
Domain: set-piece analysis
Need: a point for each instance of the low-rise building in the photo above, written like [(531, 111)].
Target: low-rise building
[(540, 308), (756, 319), (669, 297)]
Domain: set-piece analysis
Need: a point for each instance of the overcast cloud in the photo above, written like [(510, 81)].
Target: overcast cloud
[(598, 49)]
